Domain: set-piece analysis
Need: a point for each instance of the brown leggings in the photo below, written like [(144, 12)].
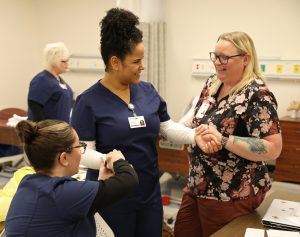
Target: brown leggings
[(199, 217)]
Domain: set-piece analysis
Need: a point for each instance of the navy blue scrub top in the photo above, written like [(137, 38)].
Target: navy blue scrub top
[(46, 90), (52, 206), (101, 116)]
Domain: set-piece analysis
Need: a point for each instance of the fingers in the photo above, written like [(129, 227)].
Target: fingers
[(104, 173), (101, 169), (113, 156), (208, 143), (202, 128)]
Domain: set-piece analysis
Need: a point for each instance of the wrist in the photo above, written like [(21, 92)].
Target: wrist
[(224, 141)]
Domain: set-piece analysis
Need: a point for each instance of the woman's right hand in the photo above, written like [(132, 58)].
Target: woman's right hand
[(113, 156), (207, 138), (208, 143)]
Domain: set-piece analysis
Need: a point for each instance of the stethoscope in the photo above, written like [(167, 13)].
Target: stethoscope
[(131, 107)]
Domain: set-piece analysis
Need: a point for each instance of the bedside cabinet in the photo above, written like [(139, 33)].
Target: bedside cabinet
[(288, 164), (172, 158)]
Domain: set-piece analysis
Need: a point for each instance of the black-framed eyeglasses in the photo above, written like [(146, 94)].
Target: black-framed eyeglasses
[(82, 146), (223, 58), (65, 61)]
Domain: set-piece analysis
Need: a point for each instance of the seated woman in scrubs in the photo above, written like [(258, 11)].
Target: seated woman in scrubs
[(49, 96), (122, 112), (50, 202)]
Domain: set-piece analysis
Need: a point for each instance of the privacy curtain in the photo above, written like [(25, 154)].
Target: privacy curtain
[(155, 55)]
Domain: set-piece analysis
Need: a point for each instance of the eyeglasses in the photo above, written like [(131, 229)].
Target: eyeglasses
[(223, 58), (82, 146)]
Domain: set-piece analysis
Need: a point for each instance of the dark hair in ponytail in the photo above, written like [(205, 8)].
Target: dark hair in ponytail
[(44, 140), (119, 34)]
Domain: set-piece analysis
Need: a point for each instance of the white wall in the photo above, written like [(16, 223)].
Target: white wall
[(76, 23), (193, 27), (192, 30), (18, 60), (26, 26)]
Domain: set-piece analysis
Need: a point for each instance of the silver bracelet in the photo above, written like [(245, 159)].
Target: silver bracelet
[(224, 141)]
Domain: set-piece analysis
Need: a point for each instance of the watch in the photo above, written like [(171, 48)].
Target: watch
[(224, 141)]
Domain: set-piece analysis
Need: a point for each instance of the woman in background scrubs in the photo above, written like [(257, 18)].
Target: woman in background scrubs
[(49, 96)]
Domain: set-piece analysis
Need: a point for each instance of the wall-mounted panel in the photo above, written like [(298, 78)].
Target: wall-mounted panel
[(271, 68), (81, 62)]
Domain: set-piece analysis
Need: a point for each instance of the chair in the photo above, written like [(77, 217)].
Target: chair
[(103, 230), (3, 233)]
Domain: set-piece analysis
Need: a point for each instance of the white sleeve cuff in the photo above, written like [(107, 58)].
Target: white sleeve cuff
[(177, 133), (91, 158)]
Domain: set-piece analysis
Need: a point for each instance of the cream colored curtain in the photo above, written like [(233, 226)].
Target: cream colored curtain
[(155, 54)]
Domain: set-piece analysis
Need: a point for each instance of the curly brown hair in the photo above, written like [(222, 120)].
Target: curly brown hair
[(119, 34)]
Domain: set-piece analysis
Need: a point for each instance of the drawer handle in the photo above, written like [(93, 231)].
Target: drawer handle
[(297, 131), (297, 149)]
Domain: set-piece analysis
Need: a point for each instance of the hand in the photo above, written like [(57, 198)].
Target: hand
[(113, 156), (208, 138), (208, 143), (104, 173)]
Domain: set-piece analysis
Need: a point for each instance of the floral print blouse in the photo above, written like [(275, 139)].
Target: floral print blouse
[(224, 175)]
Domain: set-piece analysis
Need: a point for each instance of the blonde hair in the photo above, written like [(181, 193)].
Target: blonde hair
[(54, 53), (244, 45)]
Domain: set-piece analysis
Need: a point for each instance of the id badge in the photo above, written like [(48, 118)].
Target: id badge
[(202, 110), (137, 122)]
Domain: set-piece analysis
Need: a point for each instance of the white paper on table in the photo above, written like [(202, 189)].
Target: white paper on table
[(252, 232), (281, 233), (283, 212)]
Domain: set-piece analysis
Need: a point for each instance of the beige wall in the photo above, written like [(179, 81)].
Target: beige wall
[(76, 23), (192, 29), (18, 60)]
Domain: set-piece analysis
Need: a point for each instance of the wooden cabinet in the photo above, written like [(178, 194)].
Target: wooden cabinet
[(288, 164), (173, 160), (8, 135)]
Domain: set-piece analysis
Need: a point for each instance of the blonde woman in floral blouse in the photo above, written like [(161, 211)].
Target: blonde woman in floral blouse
[(236, 115)]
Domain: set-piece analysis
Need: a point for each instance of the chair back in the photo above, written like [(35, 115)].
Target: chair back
[(103, 230), (3, 233)]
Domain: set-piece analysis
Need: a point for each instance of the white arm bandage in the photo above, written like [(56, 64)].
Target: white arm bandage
[(180, 132), (91, 158), (188, 117), (177, 133)]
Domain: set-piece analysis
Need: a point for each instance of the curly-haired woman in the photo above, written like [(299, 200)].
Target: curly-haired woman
[(122, 112)]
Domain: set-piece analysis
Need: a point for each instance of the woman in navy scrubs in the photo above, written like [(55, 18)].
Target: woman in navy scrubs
[(127, 114), (49, 96), (50, 202)]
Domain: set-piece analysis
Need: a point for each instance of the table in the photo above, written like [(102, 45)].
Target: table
[(238, 226)]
